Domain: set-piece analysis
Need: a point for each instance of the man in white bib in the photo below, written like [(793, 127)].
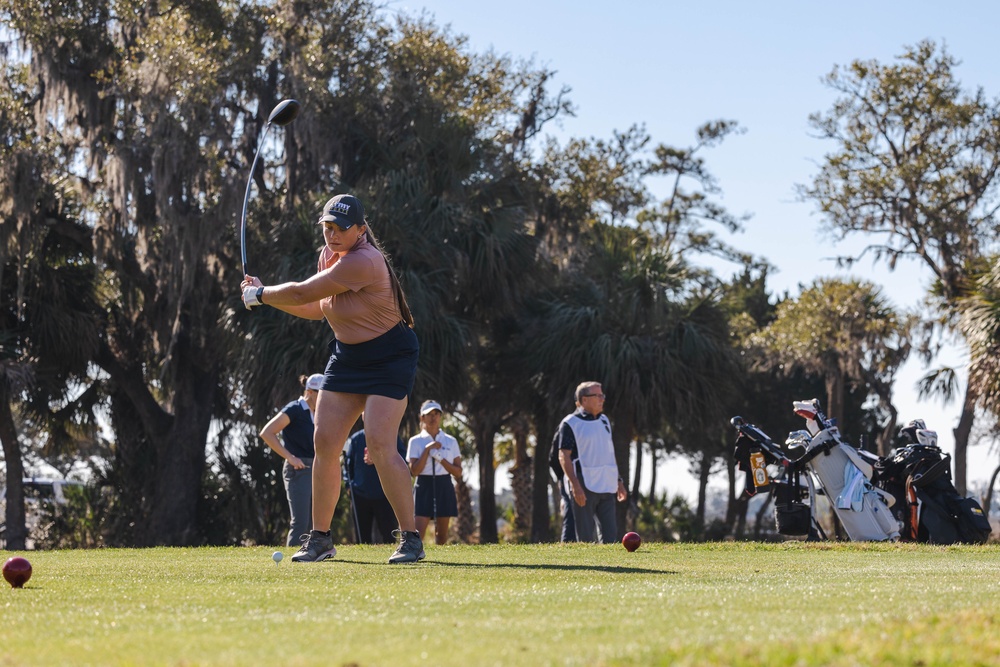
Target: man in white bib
[(587, 457)]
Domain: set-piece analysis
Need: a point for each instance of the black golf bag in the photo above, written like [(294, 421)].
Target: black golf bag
[(927, 503), (753, 452)]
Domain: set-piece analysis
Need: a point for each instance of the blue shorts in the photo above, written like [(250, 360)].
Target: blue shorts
[(383, 366), (429, 486)]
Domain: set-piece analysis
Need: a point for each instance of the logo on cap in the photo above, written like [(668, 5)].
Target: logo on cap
[(345, 210)]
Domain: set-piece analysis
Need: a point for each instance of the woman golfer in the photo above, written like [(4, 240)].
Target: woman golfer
[(372, 366)]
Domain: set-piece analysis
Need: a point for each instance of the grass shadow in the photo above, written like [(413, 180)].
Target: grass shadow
[(611, 569), (554, 566)]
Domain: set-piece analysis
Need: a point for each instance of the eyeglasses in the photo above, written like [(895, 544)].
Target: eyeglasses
[(601, 396)]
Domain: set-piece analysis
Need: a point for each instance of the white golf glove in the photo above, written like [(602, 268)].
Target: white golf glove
[(251, 296), (436, 455)]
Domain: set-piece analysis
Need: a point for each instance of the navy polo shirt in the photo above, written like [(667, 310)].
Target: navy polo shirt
[(298, 435), (363, 477)]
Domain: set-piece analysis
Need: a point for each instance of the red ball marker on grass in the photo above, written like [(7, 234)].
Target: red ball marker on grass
[(17, 571), (631, 541)]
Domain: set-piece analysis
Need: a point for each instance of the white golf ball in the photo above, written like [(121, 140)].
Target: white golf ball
[(277, 556)]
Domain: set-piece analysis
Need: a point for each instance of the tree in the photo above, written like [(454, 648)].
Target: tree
[(621, 304), (18, 165), (146, 108), (661, 359), (156, 114), (430, 136), (846, 333), (980, 326), (47, 304), (681, 221), (915, 170)]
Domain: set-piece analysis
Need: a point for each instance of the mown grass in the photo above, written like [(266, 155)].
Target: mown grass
[(709, 604)]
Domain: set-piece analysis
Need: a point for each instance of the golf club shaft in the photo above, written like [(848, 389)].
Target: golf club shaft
[(246, 200), (434, 479), (354, 514), (349, 465)]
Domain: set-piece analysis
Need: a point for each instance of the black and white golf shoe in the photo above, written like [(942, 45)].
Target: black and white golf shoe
[(315, 547), (410, 549)]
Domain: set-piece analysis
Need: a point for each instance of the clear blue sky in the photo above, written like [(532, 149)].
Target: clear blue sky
[(674, 65)]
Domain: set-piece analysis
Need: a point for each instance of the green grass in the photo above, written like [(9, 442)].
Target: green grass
[(714, 604)]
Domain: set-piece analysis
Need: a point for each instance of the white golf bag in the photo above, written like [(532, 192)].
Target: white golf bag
[(845, 475)]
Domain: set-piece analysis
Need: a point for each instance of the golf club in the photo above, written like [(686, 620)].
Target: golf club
[(282, 114), (434, 488), (348, 465)]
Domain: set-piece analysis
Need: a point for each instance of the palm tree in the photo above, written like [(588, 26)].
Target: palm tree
[(662, 359), (50, 336), (980, 325), (848, 334), (622, 306)]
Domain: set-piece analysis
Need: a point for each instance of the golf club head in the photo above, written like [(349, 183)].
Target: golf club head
[(284, 113)]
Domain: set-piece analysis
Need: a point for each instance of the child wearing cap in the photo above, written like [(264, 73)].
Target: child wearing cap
[(434, 459), (295, 424)]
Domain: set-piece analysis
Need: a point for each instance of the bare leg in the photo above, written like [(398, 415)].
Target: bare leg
[(441, 529), (336, 413), (382, 417), (422, 522)]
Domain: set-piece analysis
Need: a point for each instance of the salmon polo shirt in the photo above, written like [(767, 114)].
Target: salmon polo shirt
[(368, 308)]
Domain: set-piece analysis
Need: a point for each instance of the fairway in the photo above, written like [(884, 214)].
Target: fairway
[(708, 604)]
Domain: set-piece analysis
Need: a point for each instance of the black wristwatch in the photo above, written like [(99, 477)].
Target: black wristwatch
[(260, 295)]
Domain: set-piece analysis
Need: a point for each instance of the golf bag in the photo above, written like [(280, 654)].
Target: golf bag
[(754, 452), (845, 474), (828, 466), (928, 506)]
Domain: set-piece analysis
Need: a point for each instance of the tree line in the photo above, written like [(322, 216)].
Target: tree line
[(129, 128)]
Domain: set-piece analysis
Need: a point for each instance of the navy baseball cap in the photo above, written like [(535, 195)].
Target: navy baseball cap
[(344, 210)]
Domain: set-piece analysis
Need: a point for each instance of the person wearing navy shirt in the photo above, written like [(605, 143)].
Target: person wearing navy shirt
[(587, 457), (368, 502), (295, 425), (568, 530)]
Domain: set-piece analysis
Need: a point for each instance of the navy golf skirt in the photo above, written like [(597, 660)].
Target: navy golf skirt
[(428, 488), (383, 366)]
